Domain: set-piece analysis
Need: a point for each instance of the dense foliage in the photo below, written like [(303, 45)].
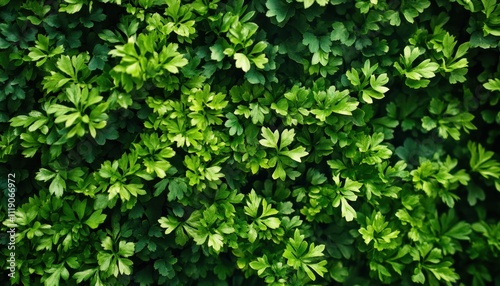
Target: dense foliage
[(282, 142)]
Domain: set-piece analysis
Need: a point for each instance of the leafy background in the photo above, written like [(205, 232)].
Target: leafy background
[(247, 142)]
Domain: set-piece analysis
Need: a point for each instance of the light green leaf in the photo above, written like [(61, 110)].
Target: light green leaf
[(95, 219), (311, 41), (242, 61), (272, 222), (45, 175), (270, 138), (215, 241), (126, 249), (492, 84), (57, 186), (259, 61), (286, 138), (170, 223), (279, 172), (84, 275), (213, 173), (175, 63), (347, 210), (296, 153)]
